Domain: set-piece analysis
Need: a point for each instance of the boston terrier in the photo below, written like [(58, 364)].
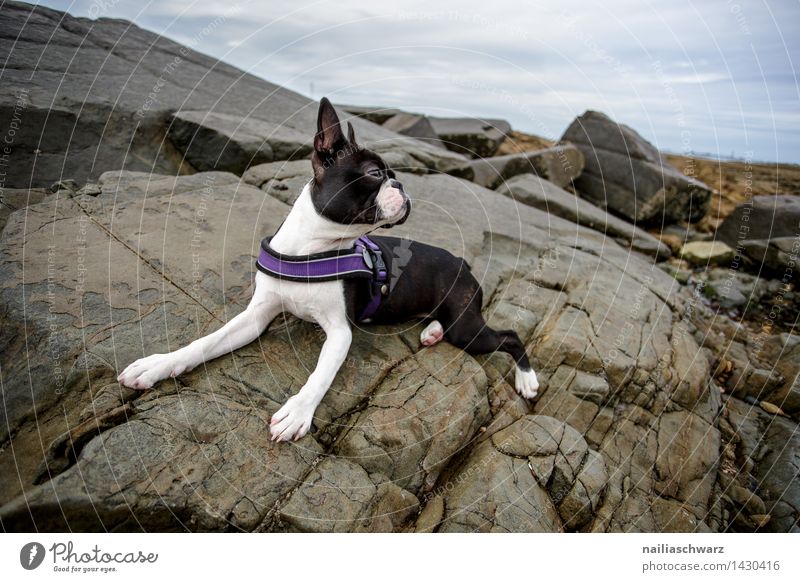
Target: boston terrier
[(352, 193)]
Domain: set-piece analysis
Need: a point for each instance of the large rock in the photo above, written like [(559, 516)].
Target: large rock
[(425, 411), (413, 125), (544, 195), (777, 256), (560, 164), (768, 452), (627, 175), (281, 180), (761, 218), (475, 138), (211, 141), (766, 231), (537, 475), (338, 495), (105, 98), (378, 115), (783, 352), (604, 328), (14, 199), (103, 101)]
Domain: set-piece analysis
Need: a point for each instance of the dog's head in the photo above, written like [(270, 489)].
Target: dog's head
[(352, 185)]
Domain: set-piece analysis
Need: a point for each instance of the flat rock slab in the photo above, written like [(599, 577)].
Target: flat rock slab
[(544, 195), (707, 253), (413, 125), (217, 141), (475, 138), (281, 180), (560, 165)]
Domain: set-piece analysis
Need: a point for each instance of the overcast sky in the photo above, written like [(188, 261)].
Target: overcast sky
[(705, 76)]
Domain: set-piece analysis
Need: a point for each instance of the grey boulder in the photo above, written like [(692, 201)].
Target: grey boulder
[(761, 218), (766, 230), (560, 164), (217, 141), (475, 138), (627, 175), (413, 125)]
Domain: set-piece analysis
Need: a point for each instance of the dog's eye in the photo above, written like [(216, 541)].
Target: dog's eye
[(375, 172)]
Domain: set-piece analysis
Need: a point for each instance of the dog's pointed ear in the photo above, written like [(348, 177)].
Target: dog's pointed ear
[(351, 135), (329, 135)]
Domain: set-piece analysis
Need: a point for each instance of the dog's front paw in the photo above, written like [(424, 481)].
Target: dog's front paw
[(293, 420), (146, 372), (526, 383)]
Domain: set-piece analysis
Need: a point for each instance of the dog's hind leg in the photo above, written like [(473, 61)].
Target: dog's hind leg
[(239, 331), (464, 327)]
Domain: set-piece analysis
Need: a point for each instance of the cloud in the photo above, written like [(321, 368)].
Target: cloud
[(536, 65)]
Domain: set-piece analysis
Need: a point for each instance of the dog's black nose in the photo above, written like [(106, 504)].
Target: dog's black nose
[(396, 184)]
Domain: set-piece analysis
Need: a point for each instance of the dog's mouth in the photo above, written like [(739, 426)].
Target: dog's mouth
[(396, 217), (406, 211), (393, 205)]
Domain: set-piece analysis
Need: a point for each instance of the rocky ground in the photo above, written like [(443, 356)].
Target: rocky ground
[(660, 409)]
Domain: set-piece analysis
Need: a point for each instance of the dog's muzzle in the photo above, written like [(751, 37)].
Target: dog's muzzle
[(393, 204)]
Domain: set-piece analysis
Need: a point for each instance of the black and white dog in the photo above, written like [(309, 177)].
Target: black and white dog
[(352, 193)]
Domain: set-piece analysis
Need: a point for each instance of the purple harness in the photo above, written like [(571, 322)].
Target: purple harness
[(363, 261)]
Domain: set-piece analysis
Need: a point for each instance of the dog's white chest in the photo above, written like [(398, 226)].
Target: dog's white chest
[(308, 301)]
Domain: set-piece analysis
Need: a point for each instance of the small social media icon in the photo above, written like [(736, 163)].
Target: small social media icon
[(31, 555)]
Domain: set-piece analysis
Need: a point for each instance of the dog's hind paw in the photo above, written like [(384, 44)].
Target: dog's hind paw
[(526, 383), (432, 334)]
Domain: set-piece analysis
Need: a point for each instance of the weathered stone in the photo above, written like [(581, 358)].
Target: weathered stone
[(14, 199), (217, 141), (472, 137), (773, 443), (281, 180), (544, 195), (184, 451), (778, 256), (732, 288), (413, 125), (339, 496), (691, 472), (627, 175), (378, 115), (588, 387), (707, 253), (424, 412), (147, 262), (761, 218), (431, 515), (560, 165), (537, 474), (783, 351)]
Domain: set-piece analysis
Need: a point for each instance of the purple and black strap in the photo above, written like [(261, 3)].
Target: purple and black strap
[(363, 261)]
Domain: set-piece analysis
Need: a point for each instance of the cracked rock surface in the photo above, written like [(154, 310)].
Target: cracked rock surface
[(627, 402), (630, 432)]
